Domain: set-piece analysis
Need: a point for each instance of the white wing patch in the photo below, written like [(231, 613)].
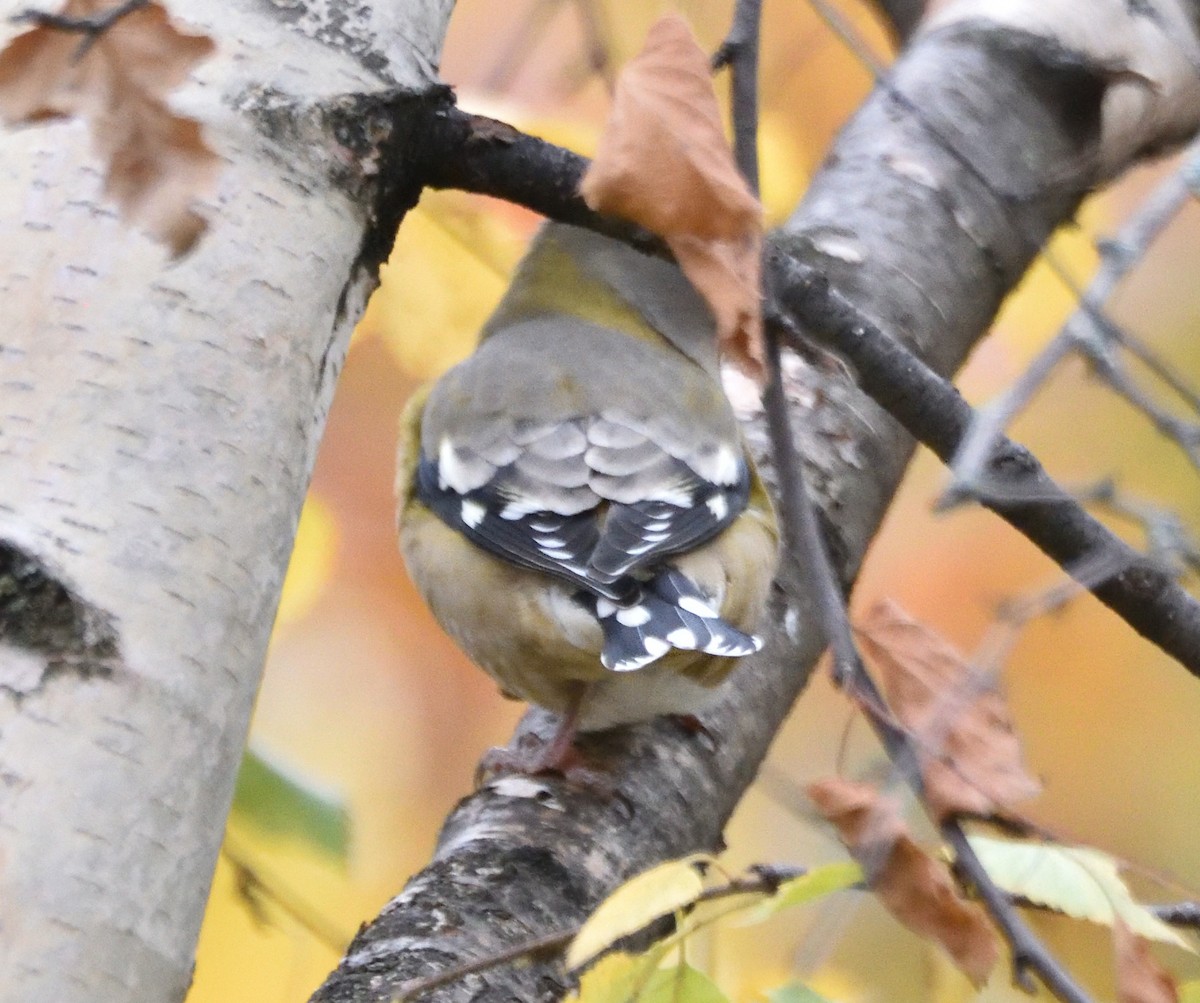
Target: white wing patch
[(600, 500), (472, 512)]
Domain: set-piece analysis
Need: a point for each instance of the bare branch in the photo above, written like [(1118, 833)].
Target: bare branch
[(1142, 592), (550, 853), (739, 52), (1168, 539), (1087, 330)]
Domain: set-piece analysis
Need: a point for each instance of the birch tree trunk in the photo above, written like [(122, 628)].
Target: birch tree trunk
[(158, 424)]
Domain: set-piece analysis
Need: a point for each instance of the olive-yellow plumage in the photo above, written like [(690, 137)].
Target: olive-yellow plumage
[(575, 502)]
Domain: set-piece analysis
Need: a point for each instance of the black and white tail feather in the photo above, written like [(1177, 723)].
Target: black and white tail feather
[(664, 613), (598, 503)]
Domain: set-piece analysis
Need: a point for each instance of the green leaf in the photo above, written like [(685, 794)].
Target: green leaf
[(1189, 992), (637, 903), (279, 800), (795, 992), (817, 883), (681, 984), (1075, 880)]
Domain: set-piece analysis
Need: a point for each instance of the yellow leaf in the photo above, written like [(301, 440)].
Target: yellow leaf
[(638, 902), (817, 883), (1074, 880)]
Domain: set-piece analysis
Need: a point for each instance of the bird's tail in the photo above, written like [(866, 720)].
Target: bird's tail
[(666, 612)]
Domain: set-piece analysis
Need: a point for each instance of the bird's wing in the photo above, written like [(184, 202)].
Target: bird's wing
[(591, 500)]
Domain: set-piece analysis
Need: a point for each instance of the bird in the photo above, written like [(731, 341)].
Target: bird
[(576, 503)]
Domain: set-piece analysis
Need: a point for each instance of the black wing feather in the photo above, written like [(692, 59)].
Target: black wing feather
[(638, 536), (523, 540)]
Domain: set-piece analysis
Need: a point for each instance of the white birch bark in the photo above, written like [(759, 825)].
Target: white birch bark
[(157, 430)]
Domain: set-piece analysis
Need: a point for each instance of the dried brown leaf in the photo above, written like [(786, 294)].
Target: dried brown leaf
[(914, 887), (32, 73), (663, 162), (970, 753), (157, 162), (1140, 978)]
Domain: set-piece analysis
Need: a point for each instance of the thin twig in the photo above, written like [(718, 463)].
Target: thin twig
[(799, 520), (1185, 434), (1167, 538), (548, 944), (1029, 953), (92, 26), (1087, 329), (1013, 615), (762, 879), (739, 52), (1185, 914), (1144, 593), (803, 537), (850, 37)]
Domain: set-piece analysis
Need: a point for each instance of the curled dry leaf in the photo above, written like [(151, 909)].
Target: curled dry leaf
[(663, 162), (157, 162), (1140, 978), (914, 887), (970, 753)]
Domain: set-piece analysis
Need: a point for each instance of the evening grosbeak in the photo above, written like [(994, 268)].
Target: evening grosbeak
[(576, 502)]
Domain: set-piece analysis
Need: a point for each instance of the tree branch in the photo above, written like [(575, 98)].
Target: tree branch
[(1142, 592), (923, 240)]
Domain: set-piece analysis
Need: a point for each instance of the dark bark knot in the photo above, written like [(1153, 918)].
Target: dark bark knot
[(42, 615)]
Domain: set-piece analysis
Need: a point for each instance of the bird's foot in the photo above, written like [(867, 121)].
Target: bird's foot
[(535, 758)]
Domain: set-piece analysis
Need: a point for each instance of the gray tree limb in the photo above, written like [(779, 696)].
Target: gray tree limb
[(933, 202)]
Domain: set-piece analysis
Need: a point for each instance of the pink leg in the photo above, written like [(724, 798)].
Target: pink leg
[(557, 756)]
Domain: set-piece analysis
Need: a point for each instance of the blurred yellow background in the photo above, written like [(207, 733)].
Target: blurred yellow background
[(364, 694)]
